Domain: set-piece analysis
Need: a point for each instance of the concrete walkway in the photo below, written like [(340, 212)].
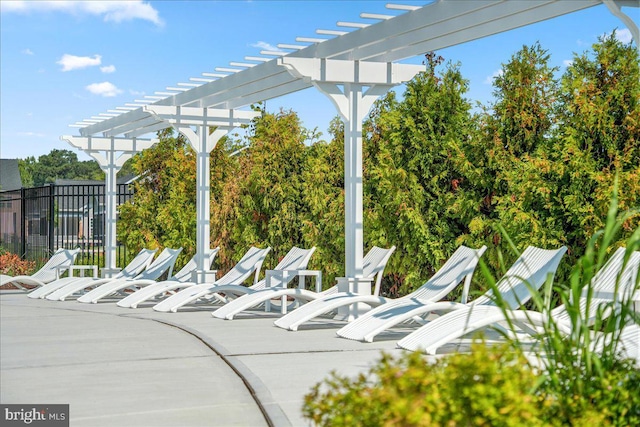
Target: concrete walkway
[(137, 367)]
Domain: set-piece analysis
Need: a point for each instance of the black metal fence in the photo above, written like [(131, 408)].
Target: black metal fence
[(34, 222)]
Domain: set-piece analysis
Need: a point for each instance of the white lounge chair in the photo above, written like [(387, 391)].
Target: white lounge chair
[(162, 264), (460, 265), (181, 280), (60, 289), (532, 266), (608, 281), (630, 339), (295, 260), (250, 263), (49, 272), (373, 266), (293, 265)]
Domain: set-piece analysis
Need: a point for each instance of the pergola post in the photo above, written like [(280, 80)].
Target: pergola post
[(194, 124), (110, 153), (353, 87), (110, 204)]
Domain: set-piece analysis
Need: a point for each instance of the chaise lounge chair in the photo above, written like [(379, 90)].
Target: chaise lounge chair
[(293, 265), (460, 265), (373, 266), (630, 338), (608, 282), (49, 272), (162, 264), (156, 290), (250, 263), (60, 289), (295, 260), (530, 269)]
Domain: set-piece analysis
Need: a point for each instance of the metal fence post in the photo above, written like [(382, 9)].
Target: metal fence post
[(23, 223), (52, 207)]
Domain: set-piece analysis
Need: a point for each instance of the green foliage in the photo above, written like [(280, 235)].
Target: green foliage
[(323, 198), (270, 193), (59, 164), (531, 166), (411, 176), (580, 378), (488, 387), (598, 137), (583, 369), (162, 213)]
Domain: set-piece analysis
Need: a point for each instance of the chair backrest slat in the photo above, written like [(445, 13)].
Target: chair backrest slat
[(461, 263), (184, 275), (163, 263), (374, 263), (529, 272), (251, 261), (609, 281), (296, 259), (139, 263), (60, 258)]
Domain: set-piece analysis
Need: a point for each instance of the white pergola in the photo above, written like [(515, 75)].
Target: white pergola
[(353, 68)]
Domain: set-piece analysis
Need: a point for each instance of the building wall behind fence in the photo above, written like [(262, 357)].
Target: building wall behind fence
[(34, 222)]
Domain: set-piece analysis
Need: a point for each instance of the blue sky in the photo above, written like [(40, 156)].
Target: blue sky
[(62, 62)]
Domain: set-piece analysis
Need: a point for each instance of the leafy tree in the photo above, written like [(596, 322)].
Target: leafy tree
[(26, 167), (598, 136), (270, 195), (62, 164), (544, 172), (323, 198), (411, 177), (58, 164), (162, 212)]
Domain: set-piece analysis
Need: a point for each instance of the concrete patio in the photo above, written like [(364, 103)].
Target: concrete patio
[(137, 367)]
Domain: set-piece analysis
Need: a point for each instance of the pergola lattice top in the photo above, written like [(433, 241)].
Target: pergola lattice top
[(434, 26)]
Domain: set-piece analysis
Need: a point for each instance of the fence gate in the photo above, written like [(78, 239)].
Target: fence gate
[(34, 222)]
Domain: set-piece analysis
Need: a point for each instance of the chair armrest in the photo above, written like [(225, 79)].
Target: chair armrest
[(312, 273), (285, 276), (61, 269)]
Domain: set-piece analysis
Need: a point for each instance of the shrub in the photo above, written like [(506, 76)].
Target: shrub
[(579, 379), (12, 265), (488, 387)]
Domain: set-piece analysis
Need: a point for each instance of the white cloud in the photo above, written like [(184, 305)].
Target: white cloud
[(72, 62), (136, 92), (110, 11), (108, 69), (32, 134), (266, 46), (27, 52), (489, 79), (567, 62), (106, 89)]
